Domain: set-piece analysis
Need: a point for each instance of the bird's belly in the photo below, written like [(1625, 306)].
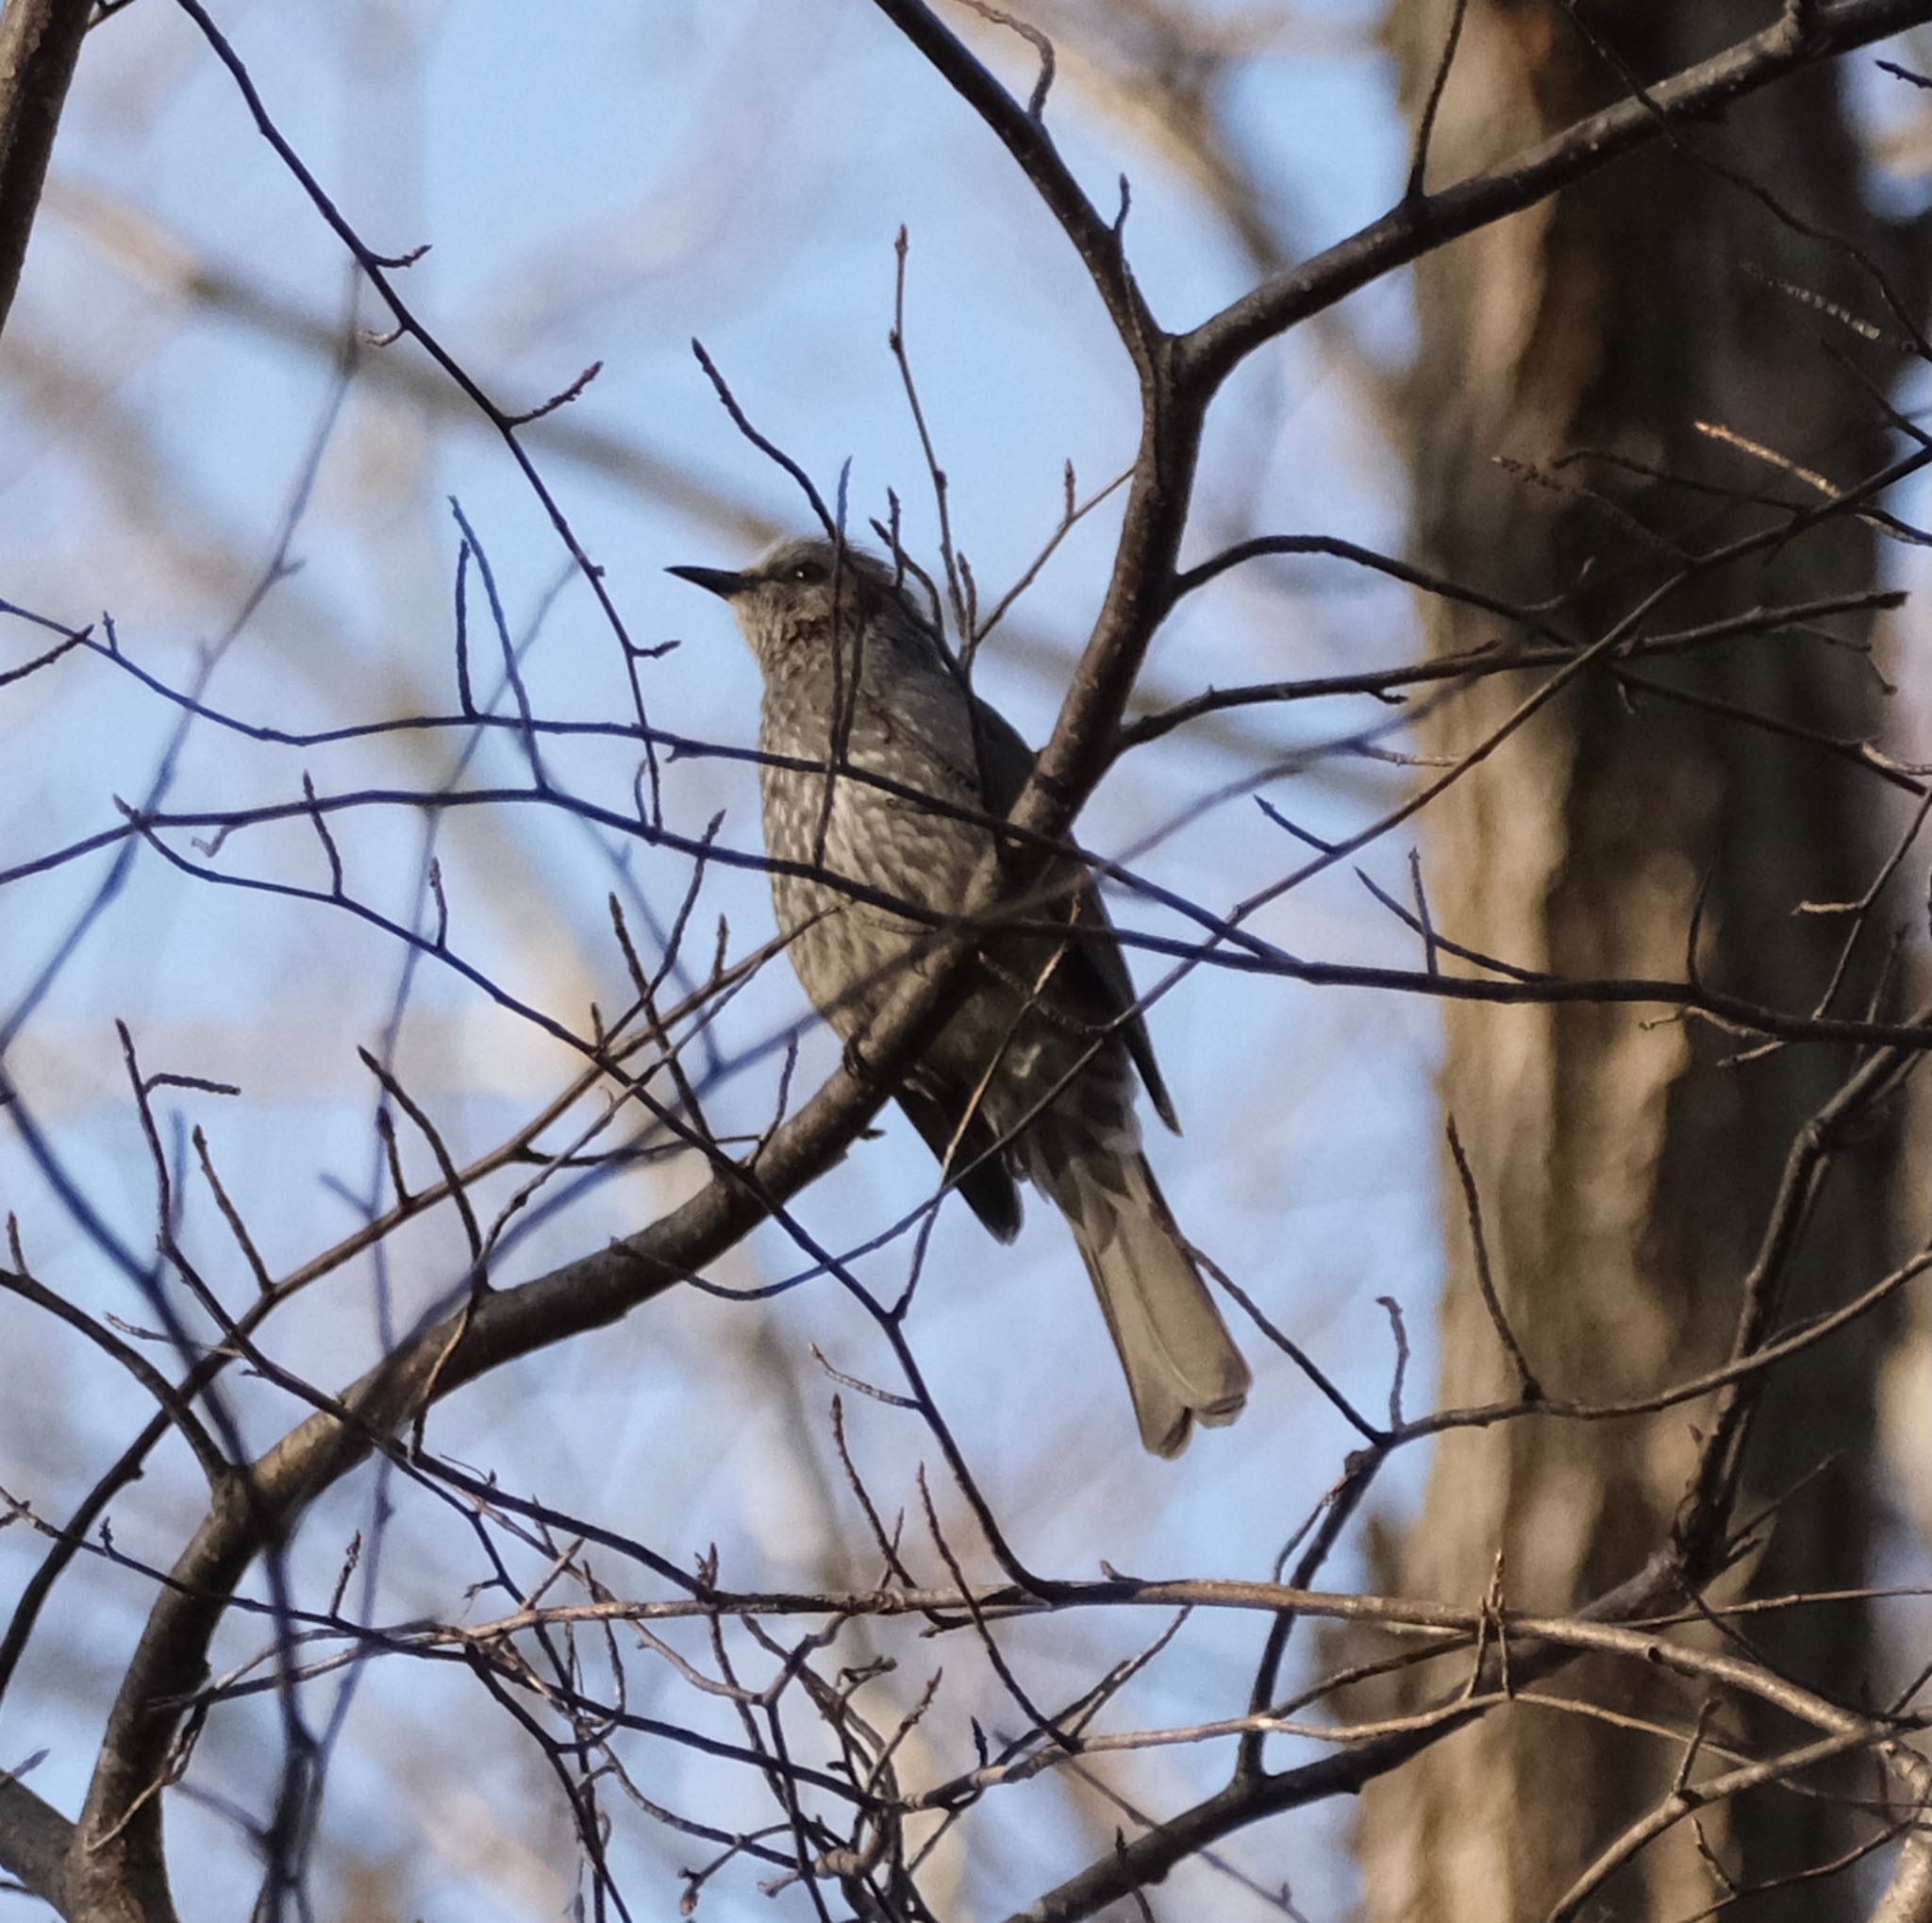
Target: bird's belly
[(1019, 1039), (856, 884)]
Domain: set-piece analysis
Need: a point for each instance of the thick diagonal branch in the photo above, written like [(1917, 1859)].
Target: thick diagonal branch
[(39, 42)]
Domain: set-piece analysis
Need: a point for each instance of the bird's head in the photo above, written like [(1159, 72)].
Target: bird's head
[(797, 594)]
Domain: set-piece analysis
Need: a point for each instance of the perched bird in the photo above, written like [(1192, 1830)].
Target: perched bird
[(1033, 1077)]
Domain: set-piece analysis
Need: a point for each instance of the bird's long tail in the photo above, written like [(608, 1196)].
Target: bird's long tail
[(1181, 1363)]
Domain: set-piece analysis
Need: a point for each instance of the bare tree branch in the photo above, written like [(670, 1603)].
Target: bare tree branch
[(40, 43), (1417, 225)]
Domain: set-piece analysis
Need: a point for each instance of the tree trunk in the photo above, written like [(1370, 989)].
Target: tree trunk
[(1625, 1171)]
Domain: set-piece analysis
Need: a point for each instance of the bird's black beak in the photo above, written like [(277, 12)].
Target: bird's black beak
[(720, 580)]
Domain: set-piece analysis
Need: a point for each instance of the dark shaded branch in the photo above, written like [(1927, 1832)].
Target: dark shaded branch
[(39, 42), (1416, 227), (117, 1858), (1096, 240), (34, 1842)]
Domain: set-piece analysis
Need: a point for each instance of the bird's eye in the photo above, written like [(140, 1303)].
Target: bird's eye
[(808, 571)]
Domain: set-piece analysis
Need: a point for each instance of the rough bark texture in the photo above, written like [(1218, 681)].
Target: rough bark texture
[(1624, 1175), (39, 42)]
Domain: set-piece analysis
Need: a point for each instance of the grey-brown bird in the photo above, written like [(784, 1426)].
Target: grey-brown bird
[(1033, 1077)]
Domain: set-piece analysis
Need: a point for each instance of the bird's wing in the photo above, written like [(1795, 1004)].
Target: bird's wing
[(1094, 970), (967, 1148)]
